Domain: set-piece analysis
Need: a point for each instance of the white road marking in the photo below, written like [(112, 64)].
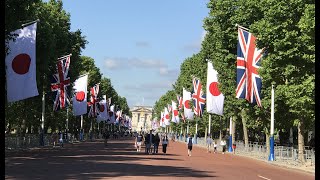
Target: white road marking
[(263, 177)]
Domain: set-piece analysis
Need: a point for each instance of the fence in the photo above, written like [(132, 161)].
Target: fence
[(254, 149), (32, 140)]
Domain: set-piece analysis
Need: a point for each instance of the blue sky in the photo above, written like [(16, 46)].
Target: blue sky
[(139, 44)]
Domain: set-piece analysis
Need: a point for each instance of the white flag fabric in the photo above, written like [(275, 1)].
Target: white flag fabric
[(188, 113), (112, 118), (21, 65), (103, 115), (162, 124), (215, 98), (175, 113), (166, 117), (79, 101)]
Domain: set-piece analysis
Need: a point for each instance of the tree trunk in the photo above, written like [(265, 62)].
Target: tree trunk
[(268, 143), (301, 141), (245, 130)]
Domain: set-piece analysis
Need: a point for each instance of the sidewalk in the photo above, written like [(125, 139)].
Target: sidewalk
[(281, 163)]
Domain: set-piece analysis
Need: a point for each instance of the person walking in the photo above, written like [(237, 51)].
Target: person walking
[(61, 139), (223, 143), (215, 145), (147, 143), (138, 142), (189, 144), (165, 144), (156, 144), (209, 143)]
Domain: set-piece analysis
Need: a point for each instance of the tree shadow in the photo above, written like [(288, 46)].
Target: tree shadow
[(93, 161)]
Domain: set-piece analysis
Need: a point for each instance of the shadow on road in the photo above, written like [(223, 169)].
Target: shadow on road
[(92, 160)]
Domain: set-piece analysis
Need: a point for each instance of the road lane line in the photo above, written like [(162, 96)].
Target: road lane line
[(263, 177)]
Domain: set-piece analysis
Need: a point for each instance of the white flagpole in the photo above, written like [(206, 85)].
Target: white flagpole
[(42, 118), (81, 124), (209, 128), (271, 156), (188, 127), (230, 135), (67, 124)]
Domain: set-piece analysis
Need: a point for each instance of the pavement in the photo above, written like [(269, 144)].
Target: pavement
[(120, 160)]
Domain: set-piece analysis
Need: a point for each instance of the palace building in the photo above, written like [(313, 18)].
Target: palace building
[(141, 118)]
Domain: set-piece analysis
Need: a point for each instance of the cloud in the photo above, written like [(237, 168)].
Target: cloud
[(150, 87), (169, 72), (127, 63), (146, 63), (204, 33), (142, 44), (196, 45)]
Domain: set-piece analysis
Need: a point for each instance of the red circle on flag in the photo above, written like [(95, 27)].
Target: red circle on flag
[(175, 112), (21, 63), (80, 96), (186, 104), (101, 108), (167, 116), (213, 88)]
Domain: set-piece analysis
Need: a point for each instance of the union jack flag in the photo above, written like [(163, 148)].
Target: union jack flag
[(248, 62), (94, 101), (198, 96), (60, 82), (180, 102)]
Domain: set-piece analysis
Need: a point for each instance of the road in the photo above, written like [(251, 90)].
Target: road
[(119, 160)]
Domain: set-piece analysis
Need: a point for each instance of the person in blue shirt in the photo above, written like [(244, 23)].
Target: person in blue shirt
[(189, 144)]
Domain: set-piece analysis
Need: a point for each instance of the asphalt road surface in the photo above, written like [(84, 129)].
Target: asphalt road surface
[(120, 160)]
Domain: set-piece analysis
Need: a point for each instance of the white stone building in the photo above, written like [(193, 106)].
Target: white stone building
[(141, 118)]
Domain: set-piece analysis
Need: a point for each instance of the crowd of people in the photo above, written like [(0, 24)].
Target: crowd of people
[(152, 141)]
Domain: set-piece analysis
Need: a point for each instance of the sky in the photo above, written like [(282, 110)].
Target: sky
[(139, 44)]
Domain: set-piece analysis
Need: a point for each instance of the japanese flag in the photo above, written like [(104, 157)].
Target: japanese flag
[(103, 115), (166, 117), (21, 65), (79, 101), (175, 113), (188, 113), (215, 98)]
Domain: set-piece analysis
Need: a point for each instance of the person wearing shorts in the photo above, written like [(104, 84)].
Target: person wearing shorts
[(139, 142), (189, 144)]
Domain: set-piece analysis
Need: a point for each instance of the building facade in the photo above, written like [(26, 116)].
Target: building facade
[(141, 118)]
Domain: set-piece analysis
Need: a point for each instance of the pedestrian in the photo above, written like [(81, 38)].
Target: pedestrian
[(209, 143), (164, 144), (234, 146), (156, 143), (223, 143), (54, 139), (61, 139), (189, 144), (147, 143), (215, 145), (138, 141)]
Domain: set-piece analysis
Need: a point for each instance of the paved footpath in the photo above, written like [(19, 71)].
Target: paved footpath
[(119, 160)]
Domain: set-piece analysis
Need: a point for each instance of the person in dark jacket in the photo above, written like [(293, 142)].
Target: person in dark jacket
[(156, 143)]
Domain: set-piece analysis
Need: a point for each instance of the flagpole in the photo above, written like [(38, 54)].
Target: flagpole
[(67, 124), (271, 156), (81, 124), (196, 134), (230, 135), (242, 27), (64, 56), (42, 118), (209, 128), (28, 23)]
